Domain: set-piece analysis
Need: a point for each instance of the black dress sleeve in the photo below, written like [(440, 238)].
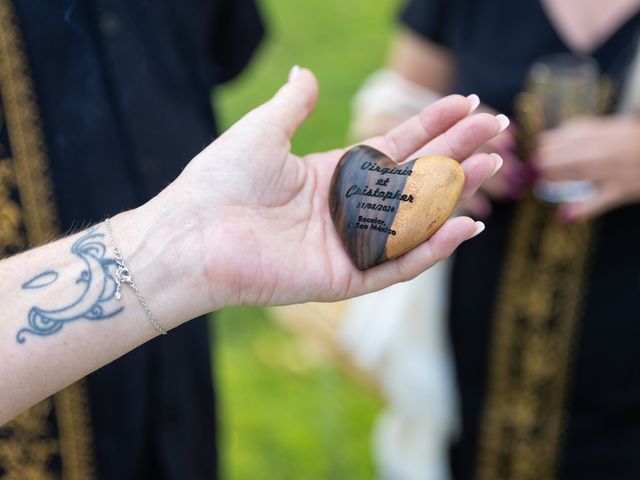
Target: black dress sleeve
[(238, 32), (428, 18)]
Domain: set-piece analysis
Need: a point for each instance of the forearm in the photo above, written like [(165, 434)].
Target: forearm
[(246, 223), (422, 62), (60, 317), (419, 72)]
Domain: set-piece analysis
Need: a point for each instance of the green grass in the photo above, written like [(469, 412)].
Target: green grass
[(285, 414), (342, 41)]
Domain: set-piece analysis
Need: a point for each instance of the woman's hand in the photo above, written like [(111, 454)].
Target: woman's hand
[(602, 150), (261, 233), (247, 222)]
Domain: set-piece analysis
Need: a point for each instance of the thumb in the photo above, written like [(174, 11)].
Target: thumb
[(293, 103)]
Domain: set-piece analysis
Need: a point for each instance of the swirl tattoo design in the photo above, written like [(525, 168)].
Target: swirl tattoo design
[(99, 287)]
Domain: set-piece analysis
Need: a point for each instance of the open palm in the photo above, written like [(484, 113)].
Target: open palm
[(264, 224)]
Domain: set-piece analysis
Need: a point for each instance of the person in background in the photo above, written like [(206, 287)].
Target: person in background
[(103, 104), (545, 345)]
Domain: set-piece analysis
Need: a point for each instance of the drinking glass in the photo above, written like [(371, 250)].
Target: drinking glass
[(563, 87)]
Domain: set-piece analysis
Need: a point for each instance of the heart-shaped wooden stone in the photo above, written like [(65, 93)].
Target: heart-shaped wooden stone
[(383, 210)]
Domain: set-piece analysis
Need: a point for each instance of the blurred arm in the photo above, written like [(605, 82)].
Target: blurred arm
[(422, 62), (419, 72)]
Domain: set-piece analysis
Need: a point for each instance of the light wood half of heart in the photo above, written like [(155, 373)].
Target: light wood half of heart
[(382, 210), (436, 185)]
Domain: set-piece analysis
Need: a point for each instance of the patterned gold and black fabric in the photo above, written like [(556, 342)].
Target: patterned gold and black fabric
[(543, 316), (102, 103)]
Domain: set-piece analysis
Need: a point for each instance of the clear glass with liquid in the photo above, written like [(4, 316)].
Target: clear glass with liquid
[(565, 86)]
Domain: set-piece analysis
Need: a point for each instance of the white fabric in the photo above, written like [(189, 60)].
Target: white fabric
[(387, 94), (631, 99), (399, 336), (387, 91)]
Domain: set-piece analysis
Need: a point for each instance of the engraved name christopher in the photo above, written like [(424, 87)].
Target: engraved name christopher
[(382, 194), (376, 224)]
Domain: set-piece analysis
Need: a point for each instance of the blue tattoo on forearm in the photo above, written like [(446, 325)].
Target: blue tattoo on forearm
[(42, 280), (99, 288)]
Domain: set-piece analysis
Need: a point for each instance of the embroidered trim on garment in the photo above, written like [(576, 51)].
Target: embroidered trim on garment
[(536, 321), (29, 444)]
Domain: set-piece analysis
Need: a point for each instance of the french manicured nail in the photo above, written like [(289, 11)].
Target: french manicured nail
[(474, 100), (479, 229), (504, 122), (497, 163), (293, 74)]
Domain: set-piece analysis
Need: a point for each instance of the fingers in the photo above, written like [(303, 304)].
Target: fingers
[(464, 138), (477, 170), (581, 162), (558, 160), (436, 119), (571, 152), (500, 186), (452, 234), (293, 103), (604, 201), (478, 206), (557, 171), (578, 161), (480, 171)]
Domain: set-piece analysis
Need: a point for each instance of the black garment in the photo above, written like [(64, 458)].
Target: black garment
[(124, 92), (494, 42)]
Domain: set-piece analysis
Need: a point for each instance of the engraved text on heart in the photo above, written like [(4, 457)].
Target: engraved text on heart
[(377, 224)]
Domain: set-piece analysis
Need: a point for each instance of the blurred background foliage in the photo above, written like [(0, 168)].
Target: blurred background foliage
[(285, 411)]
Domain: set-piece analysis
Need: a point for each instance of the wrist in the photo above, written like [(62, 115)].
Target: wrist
[(160, 248)]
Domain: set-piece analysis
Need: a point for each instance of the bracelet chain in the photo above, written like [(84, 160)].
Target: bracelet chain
[(123, 275)]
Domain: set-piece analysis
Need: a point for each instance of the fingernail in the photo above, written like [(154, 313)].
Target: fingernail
[(479, 229), (475, 102), (293, 74), (504, 122), (497, 163)]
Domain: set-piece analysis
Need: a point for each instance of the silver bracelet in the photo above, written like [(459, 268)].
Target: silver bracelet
[(123, 275)]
